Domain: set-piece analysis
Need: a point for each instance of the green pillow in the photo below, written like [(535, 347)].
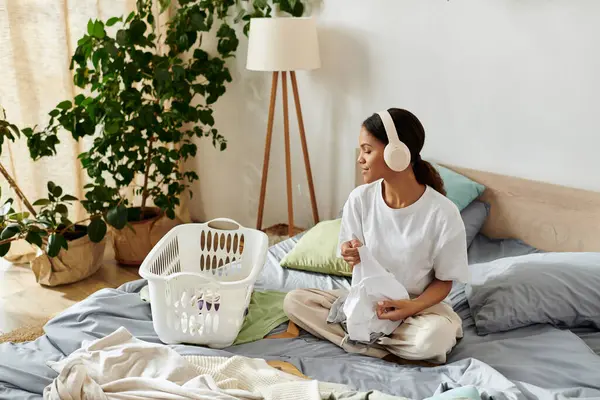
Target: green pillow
[(460, 189), (316, 251)]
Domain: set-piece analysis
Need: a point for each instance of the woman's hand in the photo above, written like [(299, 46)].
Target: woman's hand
[(396, 310), (350, 252)]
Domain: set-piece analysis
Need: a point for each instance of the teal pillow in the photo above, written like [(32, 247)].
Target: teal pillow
[(316, 251), (460, 189)]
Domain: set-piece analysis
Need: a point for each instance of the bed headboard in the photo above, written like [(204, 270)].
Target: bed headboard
[(546, 216)]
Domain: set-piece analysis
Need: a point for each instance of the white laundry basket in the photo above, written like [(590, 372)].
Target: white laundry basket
[(200, 279)]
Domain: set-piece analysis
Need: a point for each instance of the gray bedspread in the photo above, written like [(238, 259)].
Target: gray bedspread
[(533, 362)]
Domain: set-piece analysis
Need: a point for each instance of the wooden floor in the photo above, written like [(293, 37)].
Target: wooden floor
[(24, 302)]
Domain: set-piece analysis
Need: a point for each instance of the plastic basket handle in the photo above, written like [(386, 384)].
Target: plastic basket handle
[(228, 220)]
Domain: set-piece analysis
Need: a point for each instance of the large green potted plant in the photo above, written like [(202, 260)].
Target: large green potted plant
[(67, 251), (148, 97)]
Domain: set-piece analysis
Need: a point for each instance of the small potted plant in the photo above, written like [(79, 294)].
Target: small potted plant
[(67, 251)]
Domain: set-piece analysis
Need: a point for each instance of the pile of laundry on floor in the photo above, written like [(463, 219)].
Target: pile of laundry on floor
[(120, 366)]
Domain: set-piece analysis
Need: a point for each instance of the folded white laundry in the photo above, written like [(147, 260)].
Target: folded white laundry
[(371, 283)]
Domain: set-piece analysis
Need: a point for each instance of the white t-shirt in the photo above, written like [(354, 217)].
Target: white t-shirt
[(416, 243)]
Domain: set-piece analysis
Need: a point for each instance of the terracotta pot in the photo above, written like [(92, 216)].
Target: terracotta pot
[(133, 245), (83, 259)]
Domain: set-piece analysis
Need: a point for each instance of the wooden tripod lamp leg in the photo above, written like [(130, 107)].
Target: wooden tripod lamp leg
[(265, 171), (311, 187), (288, 159)]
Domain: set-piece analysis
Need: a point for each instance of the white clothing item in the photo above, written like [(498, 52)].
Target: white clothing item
[(418, 243), (371, 283), (256, 376), (122, 367)]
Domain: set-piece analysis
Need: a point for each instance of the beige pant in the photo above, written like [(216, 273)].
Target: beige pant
[(429, 335)]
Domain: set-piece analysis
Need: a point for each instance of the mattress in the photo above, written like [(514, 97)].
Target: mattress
[(527, 363)]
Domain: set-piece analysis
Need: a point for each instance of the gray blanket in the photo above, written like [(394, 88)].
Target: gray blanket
[(533, 362)]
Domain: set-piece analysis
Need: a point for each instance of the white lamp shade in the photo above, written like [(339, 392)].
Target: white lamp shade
[(283, 44)]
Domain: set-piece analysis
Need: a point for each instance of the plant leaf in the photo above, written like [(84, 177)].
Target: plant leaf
[(84, 40), (113, 20), (15, 129), (57, 191), (97, 230), (62, 209), (197, 22), (117, 217), (99, 30), (122, 37), (79, 98), (10, 231), (41, 202), (68, 197), (19, 216), (5, 209), (96, 59), (34, 238), (112, 128), (137, 29), (63, 242), (170, 213), (90, 27), (64, 105), (178, 72), (4, 248), (54, 245)]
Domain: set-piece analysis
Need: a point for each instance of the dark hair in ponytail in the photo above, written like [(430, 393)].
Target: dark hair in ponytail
[(411, 132)]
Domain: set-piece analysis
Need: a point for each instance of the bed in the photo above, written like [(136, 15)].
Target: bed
[(537, 361)]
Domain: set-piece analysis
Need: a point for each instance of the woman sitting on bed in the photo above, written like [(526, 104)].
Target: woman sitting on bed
[(404, 219)]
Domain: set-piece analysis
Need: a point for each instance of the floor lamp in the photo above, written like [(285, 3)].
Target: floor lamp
[(282, 45)]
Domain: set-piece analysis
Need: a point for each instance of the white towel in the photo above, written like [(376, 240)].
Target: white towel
[(371, 283)]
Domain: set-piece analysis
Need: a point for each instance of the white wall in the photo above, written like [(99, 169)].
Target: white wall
[(508, 86)]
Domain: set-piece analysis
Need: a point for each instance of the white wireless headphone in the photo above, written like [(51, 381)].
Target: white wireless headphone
[(396, 154)]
